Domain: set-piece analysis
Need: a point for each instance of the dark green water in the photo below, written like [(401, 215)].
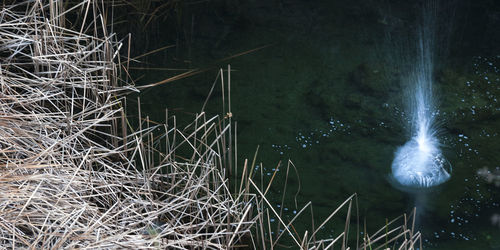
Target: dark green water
[(325, 96)]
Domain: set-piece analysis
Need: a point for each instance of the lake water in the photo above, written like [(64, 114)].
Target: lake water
[(325, 95)]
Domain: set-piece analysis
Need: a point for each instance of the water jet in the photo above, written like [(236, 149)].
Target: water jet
[(419, 163)]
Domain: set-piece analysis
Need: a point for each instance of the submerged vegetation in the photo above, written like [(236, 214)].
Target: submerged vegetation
[(77, 173)]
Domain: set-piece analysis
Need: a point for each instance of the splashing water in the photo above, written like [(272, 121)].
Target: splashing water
[(419, 163)]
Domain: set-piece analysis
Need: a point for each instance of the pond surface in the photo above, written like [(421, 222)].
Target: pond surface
[(324, 94)]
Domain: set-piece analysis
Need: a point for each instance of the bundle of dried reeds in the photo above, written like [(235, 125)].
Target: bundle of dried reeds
[(70, 176)]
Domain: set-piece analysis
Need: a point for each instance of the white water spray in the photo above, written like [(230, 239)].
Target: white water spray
[(419, 163)]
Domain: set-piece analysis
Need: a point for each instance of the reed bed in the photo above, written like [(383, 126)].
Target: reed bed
[(74, 173)]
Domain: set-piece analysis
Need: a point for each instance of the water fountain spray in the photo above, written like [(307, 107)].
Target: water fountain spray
[(419, 163)]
